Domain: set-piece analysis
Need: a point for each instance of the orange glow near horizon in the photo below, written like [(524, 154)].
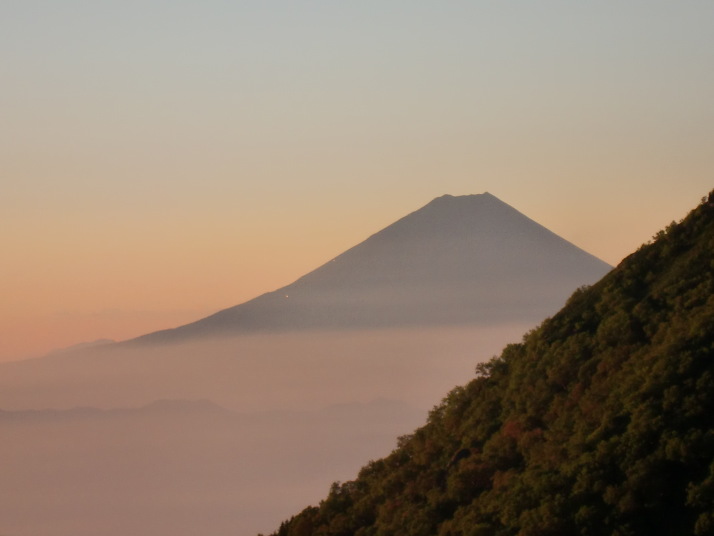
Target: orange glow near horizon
[(76, 287)]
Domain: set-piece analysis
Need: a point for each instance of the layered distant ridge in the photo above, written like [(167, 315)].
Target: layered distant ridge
[(458, 260)]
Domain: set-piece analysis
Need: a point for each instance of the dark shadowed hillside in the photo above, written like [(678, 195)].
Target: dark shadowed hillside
[(600, 422), (458, 260)]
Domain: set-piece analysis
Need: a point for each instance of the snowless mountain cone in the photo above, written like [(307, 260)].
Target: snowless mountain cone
[(458, 260)]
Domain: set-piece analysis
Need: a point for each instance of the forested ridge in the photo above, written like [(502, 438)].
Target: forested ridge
[(600, 422)]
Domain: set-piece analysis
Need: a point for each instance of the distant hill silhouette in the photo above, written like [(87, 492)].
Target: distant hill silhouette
[(457, 260)]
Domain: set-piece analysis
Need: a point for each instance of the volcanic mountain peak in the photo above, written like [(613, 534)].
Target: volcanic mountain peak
[(469, 259), (449, 215), (477, 222)]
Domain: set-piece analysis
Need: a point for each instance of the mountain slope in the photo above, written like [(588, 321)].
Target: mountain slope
[(458, 260), (600, 422)]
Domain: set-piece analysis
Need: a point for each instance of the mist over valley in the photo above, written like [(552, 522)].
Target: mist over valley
[(251, 413)]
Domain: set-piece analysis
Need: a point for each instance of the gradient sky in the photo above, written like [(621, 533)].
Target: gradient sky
[(161, 160)]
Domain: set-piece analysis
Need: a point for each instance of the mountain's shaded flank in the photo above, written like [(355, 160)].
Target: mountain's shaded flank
[(458, 260), (600, 422)]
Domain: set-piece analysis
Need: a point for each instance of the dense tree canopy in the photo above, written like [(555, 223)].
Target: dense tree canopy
[(601, 421)]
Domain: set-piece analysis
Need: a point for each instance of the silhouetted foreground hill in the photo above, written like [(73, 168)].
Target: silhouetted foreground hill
[(600, 422), (457, 260)]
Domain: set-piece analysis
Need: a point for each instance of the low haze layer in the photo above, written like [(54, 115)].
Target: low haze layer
[(259, 372), (305, 410), (180, 468)]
